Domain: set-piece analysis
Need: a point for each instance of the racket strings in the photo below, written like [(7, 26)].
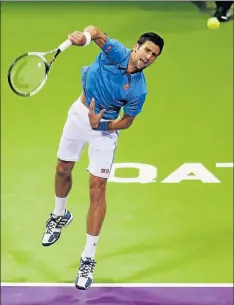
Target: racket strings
[(27, 74)]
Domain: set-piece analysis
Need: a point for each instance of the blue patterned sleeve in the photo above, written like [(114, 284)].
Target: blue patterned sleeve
[(134, 106), (114, 50)]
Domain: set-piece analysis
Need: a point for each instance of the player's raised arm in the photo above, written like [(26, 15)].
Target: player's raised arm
[(114, 50), (96, 35), (90, 33)]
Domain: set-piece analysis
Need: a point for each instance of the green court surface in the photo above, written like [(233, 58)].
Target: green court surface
[(154, 232)]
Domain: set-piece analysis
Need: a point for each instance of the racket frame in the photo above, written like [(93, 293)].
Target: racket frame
[(63, 46)]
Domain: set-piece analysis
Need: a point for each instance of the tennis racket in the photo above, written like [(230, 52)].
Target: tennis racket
[(29, 72)]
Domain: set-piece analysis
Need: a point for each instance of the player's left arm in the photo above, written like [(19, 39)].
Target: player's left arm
[(132, 108), (121, 123)]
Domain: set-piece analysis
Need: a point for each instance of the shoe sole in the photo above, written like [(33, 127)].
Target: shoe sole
[(49, 244), (83, 288)]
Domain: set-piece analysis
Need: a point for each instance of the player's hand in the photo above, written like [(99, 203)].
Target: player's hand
[(77, 38), (94, 118)]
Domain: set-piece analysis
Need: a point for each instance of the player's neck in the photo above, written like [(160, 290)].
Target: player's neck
[(131, 69)]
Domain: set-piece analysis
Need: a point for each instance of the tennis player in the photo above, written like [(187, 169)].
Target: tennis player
[(113, 81)]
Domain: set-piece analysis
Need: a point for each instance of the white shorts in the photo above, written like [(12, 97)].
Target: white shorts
[(77, 132)]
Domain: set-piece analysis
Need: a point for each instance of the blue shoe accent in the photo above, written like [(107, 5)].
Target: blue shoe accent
[(54, 227)]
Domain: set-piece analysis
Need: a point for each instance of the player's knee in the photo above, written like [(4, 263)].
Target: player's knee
[(64, 168), (97, 189)]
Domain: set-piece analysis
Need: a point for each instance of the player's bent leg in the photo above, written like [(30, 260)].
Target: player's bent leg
[(63, 178), (61, 217), (95, 218), (70, 148)]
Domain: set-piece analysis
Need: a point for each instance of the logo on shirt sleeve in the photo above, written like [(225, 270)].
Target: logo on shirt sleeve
[(108, 49)]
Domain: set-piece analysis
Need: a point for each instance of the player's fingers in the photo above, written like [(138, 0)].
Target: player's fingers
[(77, 38), (72, 38), (102, 112), (92, 105), (78, 34)]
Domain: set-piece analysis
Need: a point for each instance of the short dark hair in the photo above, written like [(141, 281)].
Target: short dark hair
[(150, 36)]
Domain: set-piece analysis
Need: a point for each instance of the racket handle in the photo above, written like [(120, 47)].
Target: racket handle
[(66, 44)]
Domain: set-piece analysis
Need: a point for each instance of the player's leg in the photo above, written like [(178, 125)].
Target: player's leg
[(61, 217), (70, 148), (63, 180), (99, 168), (68, 154), (97, 210)]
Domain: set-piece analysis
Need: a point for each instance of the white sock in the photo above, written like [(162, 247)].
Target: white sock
[(60, 206), (90, 247)]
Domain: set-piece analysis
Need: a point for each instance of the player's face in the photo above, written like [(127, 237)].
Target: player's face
[(143, 56)]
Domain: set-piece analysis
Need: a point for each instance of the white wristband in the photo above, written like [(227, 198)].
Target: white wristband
[(88, 38)]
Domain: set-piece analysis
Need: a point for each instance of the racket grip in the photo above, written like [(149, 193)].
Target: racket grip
[(66, 44)]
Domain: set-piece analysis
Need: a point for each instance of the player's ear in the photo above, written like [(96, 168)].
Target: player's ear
[(135, 47)]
